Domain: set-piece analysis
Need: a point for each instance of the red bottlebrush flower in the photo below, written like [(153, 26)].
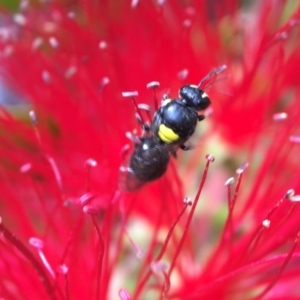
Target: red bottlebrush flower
[(68, 232)]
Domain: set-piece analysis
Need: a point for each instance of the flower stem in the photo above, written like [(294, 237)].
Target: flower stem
[(29, 256), (100, 257)]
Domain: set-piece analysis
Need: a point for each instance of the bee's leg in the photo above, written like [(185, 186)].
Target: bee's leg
[(186, 148), (201, 118), (146, 127), (173, 153)]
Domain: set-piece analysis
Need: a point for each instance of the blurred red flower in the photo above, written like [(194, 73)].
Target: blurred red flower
[(68, 232)]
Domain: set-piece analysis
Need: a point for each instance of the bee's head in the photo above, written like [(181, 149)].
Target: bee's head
[(194, 97)]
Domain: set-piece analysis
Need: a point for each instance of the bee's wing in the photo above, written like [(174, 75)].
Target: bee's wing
[(147, 166), (128, 181)]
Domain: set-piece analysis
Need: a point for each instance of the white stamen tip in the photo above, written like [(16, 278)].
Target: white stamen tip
[(158, 266), (295, 139), (70, 72), (32, 117), (161, 2), (71, 14), (183, 74), (90, 210), (123, 169), (20, 19), (210, 158), (53, 42), (242, 168), (104, 81), (91, 163), (295, 198), (153, 85), (129, 135), (130, 94), (103, 45), (36, 243), (266, 223), (229, 181), (46, 76), (25, 168), (282, 35), (144, 107), (280, 117), (221, 69), (187, 201), (85, 198), (36, 43), (62, 269), (124, 294)]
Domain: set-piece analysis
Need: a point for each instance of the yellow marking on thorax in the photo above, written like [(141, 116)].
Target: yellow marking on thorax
[(166, 134)]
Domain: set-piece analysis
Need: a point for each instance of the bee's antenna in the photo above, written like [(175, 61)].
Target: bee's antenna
[(214, 72), (224, 93), (215, 81)]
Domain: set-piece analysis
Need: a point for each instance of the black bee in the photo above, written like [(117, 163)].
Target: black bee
[(173, 124), (175, 121)]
